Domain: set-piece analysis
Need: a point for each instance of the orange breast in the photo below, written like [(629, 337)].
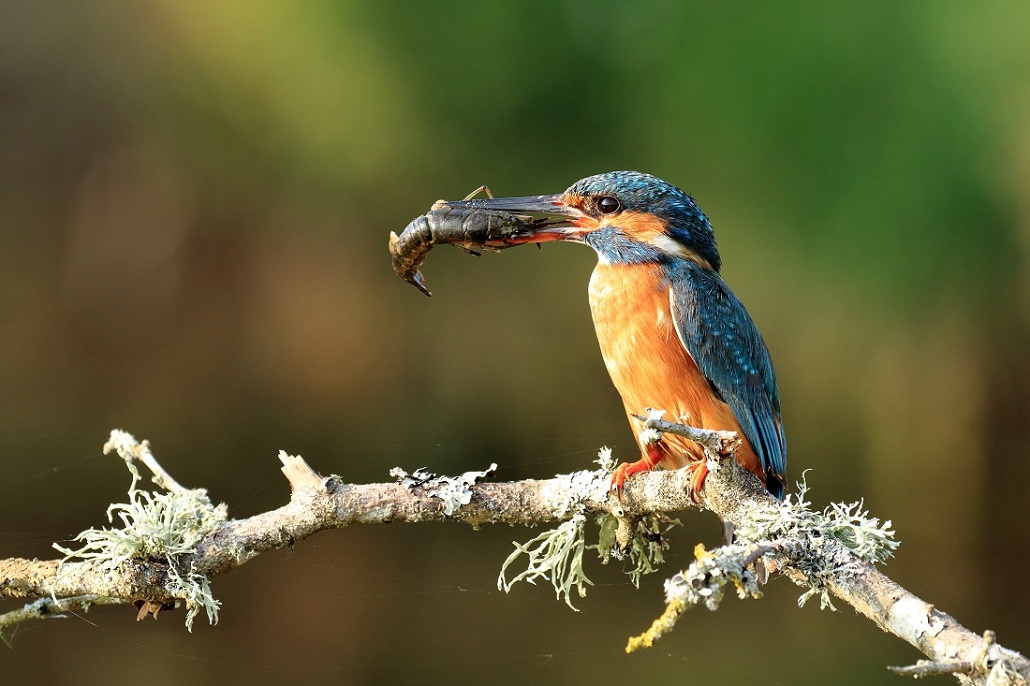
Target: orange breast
[(649, 365)]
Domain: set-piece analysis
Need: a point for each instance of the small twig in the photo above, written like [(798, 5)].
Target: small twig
[(721, 443), (299, 473), (129, 449), (992, 662), (48, 607), (925, 668)]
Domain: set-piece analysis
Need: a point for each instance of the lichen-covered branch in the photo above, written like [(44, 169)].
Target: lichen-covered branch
[(135, 561), (169, 546)]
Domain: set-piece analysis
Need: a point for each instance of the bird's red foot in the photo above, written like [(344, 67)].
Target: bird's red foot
[(653, 454), (698, 473)]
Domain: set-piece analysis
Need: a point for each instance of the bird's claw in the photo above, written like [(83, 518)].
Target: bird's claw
[(698, 473), (623, 472), (653, 454)]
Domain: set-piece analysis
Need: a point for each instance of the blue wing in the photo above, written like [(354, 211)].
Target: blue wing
[(718, 333)]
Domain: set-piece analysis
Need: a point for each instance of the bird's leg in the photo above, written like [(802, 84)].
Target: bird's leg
[(654, 451), (698, 473)]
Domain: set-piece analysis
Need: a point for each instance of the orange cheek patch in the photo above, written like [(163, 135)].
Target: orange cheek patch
[(650, 230), (639, 226)]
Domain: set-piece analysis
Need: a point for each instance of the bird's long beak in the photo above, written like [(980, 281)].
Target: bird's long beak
[(551, 218)]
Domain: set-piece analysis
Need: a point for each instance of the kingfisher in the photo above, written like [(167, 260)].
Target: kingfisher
[(672, 334)]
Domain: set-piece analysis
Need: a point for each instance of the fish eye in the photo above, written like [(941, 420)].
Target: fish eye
[(608, 204)]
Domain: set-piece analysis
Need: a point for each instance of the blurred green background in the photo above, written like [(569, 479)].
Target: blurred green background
[(194, 207)]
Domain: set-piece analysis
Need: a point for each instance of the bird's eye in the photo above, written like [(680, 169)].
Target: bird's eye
[(608, 204)]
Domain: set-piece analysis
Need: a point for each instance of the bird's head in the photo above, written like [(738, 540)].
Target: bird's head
[(626, 216)]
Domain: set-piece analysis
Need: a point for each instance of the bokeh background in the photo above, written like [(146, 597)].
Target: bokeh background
[(194, 206)]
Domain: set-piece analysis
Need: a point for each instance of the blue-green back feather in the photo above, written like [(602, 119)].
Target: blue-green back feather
[(722, 339)]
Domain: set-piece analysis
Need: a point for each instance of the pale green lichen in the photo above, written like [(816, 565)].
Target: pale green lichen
[(822, 545), (157, 526), (702, 583), (555, 555), (578, 486), (454, 491), (647, 545), (647, 541), (606, 459)]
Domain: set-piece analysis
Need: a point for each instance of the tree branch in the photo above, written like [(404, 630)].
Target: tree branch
[(318, 503)]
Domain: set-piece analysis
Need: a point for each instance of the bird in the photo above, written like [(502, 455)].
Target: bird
[(672, 334)]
